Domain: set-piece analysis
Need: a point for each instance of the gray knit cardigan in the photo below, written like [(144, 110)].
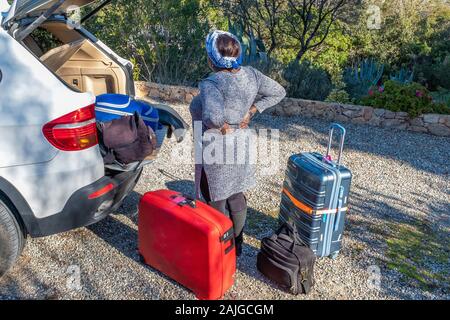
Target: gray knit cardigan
[(227, 97)]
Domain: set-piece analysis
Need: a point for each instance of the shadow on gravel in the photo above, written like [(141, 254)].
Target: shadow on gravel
[(259, 224), (12, 287), (22, 282), (130, 206), (124, 239), (186, 187), (407, 248), (246, 264), (422, 151)]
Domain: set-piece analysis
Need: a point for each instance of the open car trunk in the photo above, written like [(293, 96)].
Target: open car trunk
[(78, 61), (84, 67)]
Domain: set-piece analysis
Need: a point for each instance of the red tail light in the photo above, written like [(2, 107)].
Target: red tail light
[(74, 131), (101, 192)]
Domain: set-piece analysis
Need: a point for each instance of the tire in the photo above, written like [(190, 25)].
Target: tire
[(12, 239)]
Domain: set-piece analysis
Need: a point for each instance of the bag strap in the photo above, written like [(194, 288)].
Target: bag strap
[(291, 236)]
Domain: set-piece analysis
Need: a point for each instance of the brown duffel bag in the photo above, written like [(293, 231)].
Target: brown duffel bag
[(126, 140)]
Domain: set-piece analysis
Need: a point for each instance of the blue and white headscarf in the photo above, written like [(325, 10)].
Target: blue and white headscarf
[(217, 59)]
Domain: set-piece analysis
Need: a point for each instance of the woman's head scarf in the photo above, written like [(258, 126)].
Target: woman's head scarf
[(214, 55)]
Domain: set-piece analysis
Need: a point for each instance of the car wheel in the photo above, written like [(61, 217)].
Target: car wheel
[(12, 239)]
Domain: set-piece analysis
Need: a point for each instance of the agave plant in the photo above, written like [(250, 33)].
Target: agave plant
[(253, 49), (404, 76), (361, 77)]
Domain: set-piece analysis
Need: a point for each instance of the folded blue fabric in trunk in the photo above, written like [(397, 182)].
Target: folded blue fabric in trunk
[(113, 106)]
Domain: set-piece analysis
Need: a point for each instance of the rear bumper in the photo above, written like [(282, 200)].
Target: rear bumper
[(81, 211)]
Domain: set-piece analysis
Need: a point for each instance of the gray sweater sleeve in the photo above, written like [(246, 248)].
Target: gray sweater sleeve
[(213, 113), (195, 109), (271, 92)]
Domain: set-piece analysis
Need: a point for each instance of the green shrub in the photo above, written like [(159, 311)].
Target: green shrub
[(434, 75), (441, 96), (412, 98), (271, 68), (338, 95), (165, 39), (47, 41), (306, 81)]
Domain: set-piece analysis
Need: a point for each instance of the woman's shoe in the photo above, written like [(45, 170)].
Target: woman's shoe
[(238, 249), (239, 240)]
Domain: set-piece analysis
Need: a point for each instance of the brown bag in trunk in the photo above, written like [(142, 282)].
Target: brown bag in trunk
[(127, 140)]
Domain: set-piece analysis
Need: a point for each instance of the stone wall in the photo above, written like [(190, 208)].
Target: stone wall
[(177, 94), (436, 124)]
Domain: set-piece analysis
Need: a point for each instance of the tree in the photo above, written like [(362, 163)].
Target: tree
[(260, 17), (407, 27), (286, 24), (310, 21)]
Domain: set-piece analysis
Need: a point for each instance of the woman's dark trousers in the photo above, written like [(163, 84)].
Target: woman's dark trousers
[(235, 207)]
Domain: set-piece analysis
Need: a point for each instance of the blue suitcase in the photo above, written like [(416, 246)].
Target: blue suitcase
[(110, 106), (315, 198)]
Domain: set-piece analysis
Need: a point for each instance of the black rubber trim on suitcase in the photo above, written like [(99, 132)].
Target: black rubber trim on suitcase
[(231, 247), (227, 236)]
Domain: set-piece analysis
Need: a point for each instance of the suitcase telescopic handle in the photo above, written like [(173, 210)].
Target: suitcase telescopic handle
[(336, 126)]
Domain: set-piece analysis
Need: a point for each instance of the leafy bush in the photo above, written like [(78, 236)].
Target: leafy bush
[(359, 78), (432, 66), (338, 95), (306, 81), (271, 68), (165, 39), (434, 75), (412, 98), (441, 96), (46, 40)]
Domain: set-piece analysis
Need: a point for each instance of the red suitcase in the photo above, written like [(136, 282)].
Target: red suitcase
[(188, 241)]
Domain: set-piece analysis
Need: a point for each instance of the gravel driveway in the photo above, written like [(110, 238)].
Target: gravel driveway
[(398, 227)]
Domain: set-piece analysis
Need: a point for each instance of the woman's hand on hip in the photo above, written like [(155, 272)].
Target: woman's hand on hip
[(226, 129), (248, 117)]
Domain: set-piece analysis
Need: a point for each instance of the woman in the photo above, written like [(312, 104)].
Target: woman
[(225, 106)]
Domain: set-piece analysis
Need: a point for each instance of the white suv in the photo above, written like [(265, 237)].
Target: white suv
[(52, 175)]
